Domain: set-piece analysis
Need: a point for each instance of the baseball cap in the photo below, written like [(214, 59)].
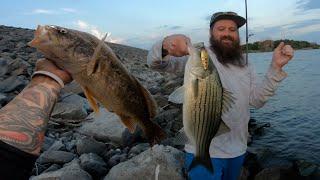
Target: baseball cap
[(240, 21)]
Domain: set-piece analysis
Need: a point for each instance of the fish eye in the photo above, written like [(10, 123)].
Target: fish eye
[(63, 31)]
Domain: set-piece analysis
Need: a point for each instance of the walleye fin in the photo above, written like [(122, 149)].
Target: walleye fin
[(206, 162), (94, 61), (223, 128), (151, 103), (154, 133), (93, 103), (228, 100), (129, 123), (177, 96), (181, 138)]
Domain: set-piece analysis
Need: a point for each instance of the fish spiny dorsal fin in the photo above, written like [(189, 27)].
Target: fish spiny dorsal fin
[(228, 100), (92, 65), (93, 103)]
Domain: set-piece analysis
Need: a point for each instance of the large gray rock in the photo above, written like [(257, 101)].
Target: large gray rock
[(105, 126), (69, 111), (93, 164), (170, 120), (306, 168), (165, 162), (70, 172), (76, 99), (89, 145), (277, 173), (3, 99), (48, 142), (23, 68), (57, 146), (110, 153), (116, 159), (72, 87), (53, 167), (138, 149), (148, 77), (13, 83), (3, 67), (59, 157)]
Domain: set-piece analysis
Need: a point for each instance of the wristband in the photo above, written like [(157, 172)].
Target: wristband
[(51, 75)]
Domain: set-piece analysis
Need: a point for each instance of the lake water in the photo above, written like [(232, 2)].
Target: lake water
[(294, 112)]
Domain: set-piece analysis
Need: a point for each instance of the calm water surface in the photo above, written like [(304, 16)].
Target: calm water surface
[(294, 112)]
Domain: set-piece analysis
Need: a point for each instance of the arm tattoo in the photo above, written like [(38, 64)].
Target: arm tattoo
[(23, 121)]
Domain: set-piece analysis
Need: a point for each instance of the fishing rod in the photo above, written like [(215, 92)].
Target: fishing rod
[(247, 36)]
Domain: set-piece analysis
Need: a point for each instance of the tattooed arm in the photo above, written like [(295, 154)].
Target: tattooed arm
[(23, 121)]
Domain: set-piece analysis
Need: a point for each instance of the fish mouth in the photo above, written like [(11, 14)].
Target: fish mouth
[(40, 36)]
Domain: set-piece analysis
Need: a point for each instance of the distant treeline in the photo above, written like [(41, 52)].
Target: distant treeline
[(269, 45)]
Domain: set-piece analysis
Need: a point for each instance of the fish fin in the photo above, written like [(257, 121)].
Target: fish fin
[(93, 103), (94, 61), (206, 162), (177, 96), (228, 100), (151, 103), (129, 123), (181, 138), (154, 133), (223, 128)]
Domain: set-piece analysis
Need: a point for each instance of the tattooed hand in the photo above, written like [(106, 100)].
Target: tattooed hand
[(23, 121), (46, 65)]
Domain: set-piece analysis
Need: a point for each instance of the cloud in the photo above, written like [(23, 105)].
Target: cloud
[(43, 11), (175, 27), (287, 19), (69, 10), (53, 12), (94, 30), (309, 4), (162, 27), (82, 24), (169, 27), (306, 29)]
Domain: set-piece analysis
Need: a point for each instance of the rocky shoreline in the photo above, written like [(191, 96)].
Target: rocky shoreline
[(82, 145)]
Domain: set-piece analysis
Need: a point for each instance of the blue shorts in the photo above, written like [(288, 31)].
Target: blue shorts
[(224, 168)]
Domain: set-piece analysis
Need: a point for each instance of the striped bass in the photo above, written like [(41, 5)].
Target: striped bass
[(204, 100)]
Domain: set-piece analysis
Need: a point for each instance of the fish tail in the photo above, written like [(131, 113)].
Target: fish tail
[(206, 162), (155, 134)]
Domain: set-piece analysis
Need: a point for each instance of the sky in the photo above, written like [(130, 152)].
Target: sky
[(140, 23)]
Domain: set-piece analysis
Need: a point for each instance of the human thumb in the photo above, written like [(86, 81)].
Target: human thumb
[(280, 46)]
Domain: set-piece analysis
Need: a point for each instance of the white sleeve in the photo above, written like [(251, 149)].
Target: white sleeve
[(261, 92), (169, 64)]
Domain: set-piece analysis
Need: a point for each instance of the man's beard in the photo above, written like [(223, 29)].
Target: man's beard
[(228, 54)]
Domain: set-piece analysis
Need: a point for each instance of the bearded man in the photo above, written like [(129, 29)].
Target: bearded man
[(227, 151)]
